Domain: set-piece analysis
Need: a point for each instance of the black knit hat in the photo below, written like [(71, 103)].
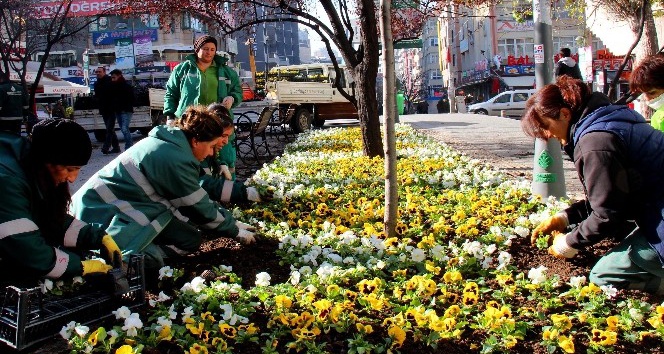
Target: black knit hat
[(61, 142), (200, 42)]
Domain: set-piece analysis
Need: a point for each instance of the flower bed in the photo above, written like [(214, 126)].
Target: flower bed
[(450, 281)]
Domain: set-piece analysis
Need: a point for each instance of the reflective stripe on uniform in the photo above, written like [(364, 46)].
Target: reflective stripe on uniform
[(226, 191), (17, 226), (61, 263), (189, 200), (215, 223), (71, 235), (139, 178), (107, 196)]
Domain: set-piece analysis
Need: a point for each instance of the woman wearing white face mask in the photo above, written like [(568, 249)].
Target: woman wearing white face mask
[(648, 78)]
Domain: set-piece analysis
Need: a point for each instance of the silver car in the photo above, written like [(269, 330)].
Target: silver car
[(513, 103)]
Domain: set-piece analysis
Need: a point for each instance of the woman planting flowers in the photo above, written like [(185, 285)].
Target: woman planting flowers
[(620, 159)]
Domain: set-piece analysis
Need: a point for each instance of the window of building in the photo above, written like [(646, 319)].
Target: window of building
[(436, 75), (563, 42), (186, 21), (433, 58), (59, 59), (433, 41), (516, 47)]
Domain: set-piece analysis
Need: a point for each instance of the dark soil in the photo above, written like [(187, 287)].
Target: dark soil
[(247, 261)]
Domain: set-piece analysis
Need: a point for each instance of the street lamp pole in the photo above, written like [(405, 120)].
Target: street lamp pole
[(548, 176)]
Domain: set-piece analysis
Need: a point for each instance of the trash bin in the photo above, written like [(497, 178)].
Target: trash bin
[(461, 104)]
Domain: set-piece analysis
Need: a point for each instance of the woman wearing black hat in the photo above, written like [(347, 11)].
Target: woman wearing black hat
[(38, 238), (205, 78)]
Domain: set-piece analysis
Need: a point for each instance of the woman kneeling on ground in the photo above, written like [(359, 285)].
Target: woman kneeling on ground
[(620, 161), (37, 236), (149, 197)]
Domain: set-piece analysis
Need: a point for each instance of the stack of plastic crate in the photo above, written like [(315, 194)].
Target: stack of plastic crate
[(28, 317)]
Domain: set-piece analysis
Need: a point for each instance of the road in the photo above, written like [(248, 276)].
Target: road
[(495, 140), (498, 141)]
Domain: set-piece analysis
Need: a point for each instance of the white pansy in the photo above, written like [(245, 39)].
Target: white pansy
[(609, 291), (163, 322), (165, 272), (77, 280), (537, 275), (66, 330), (201, 298), (46, 286), (196, 285), (227, 311), (490, 249), (263, 279), (636, 315), (577, 282), (161, 298), (132, 324), (418, 255), (294, 277), (172, 314), (81, 330), (187, 313), (521, 231), (123, 312)]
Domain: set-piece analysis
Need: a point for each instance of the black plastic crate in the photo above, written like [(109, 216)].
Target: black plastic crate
[(27, 317)]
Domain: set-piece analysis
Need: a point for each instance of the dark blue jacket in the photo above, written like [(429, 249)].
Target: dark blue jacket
[(620, 161)]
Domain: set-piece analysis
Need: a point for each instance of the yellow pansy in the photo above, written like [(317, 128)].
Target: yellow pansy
[(366, 329), (561, 321), (125, 349), (227, 330), (283, 302), (452, 277), (398, 336), (566, 344), (198, 349)]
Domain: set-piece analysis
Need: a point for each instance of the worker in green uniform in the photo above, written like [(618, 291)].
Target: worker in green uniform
[(38, 238), (205, 78), (149, 198), (13, 105)]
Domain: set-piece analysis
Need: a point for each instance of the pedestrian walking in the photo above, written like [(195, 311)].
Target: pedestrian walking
[(648, 78), (619, 158), (123, 94), (38, 238), (567, 66), (13, 103), (104, 95), (205, 78), (149, 198)]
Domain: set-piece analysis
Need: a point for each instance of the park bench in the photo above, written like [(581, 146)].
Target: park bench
[(250, 139)]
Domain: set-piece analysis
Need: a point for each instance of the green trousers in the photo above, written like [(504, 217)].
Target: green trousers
[(176, 239), (632, 264)]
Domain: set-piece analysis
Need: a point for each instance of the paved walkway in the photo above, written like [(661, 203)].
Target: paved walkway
[(498, 141)]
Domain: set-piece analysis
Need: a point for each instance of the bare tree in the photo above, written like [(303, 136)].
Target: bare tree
[(351, 27), (24, 32)]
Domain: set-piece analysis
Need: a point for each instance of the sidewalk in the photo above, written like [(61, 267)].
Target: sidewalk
[(498, 141)]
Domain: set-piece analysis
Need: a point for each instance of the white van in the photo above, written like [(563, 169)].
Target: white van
[(512, 102)]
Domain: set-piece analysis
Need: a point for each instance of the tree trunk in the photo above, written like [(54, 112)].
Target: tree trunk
[(648, 44), (389, 117), (365, 74)]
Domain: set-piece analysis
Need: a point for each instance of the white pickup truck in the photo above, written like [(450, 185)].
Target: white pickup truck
[(303, 94)]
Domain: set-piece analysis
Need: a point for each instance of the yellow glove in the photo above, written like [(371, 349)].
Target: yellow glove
[(95, 266), (110, 251), (557, 222), (560, 248)]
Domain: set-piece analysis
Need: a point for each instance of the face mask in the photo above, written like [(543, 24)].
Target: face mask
[(656, 103)]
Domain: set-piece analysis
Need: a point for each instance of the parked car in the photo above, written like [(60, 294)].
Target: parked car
[(512, 102)]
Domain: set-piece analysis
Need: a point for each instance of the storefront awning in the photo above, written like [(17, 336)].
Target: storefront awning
[(519, 81)]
